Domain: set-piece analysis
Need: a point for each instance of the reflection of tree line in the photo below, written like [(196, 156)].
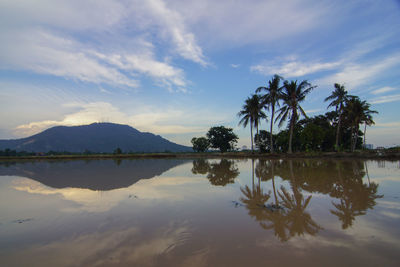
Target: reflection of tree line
[(286, 213)]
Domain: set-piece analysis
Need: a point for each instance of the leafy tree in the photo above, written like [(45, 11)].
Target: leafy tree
[(222, 138), (317, 133), (271, 99), (339, 97), (292, 95), (262, 141), (200, 144), (252, 113), (117, 151)]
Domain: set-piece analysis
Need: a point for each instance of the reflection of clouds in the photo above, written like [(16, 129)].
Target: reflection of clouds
[(117, 247), (389, 204), (101, 201), (391, 214)]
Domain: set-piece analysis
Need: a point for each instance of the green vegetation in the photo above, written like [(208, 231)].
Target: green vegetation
[(252, 112), (218, 137), (336, 130), (200, 144), (222, 138), (291, 96), (270, 100)]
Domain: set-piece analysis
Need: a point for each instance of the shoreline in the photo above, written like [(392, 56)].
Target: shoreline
[(392, 155)]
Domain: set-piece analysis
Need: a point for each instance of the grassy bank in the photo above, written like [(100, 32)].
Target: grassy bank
[(246, 154)]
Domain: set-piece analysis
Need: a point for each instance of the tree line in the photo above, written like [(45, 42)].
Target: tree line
[(336, 130)]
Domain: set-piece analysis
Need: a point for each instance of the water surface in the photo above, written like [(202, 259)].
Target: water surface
[(183, 212)]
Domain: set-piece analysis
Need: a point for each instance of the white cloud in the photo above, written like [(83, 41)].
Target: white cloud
[(235, 66), (172, 24), (355, 74), (85, 42), (43, 52), (310, 111), (385, 99), (383, 90), (145, 63), (293, 68), (236, 23)]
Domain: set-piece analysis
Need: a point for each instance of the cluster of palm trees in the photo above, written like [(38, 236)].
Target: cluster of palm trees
[(351, 109), (287, 96), (283, 98)]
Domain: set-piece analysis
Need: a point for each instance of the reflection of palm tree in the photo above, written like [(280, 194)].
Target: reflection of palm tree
[(345, 213), (298, 220), (278, 222), (355, 196), (254, 200), (265, 170), (222, 173)]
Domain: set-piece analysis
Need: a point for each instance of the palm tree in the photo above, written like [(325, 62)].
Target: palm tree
[(358, 112), (271, 99), (367, 117), (339, 96), (291, 95), (252, 113)]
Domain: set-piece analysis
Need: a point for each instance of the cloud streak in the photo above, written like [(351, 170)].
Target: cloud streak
[(383, 90), (293, 68), (385, 99)]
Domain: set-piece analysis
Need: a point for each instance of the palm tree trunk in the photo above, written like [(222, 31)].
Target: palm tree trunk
[(251, 133), (355, 137), (270, 134), (351, 138), (291, 134), (338, 132), (365, 130), (256, 135)]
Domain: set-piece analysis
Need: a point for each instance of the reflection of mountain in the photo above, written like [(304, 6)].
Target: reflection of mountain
[(92, 174)]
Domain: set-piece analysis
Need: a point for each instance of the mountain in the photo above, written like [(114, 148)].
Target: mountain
[(96, 137), (90, 174)]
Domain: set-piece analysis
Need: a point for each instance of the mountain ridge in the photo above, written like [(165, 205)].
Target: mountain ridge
[(95, 137)]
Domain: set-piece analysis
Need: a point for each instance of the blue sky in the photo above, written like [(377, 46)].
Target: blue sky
[(176, 68)]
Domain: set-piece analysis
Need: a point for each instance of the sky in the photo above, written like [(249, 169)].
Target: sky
[(178, 67)]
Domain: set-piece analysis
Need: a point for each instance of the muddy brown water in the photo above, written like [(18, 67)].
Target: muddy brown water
[(200, 212)]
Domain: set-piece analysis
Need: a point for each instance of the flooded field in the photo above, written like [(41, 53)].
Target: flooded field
[(183, 212)]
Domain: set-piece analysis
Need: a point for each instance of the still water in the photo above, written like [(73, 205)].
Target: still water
[(184, 212)]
